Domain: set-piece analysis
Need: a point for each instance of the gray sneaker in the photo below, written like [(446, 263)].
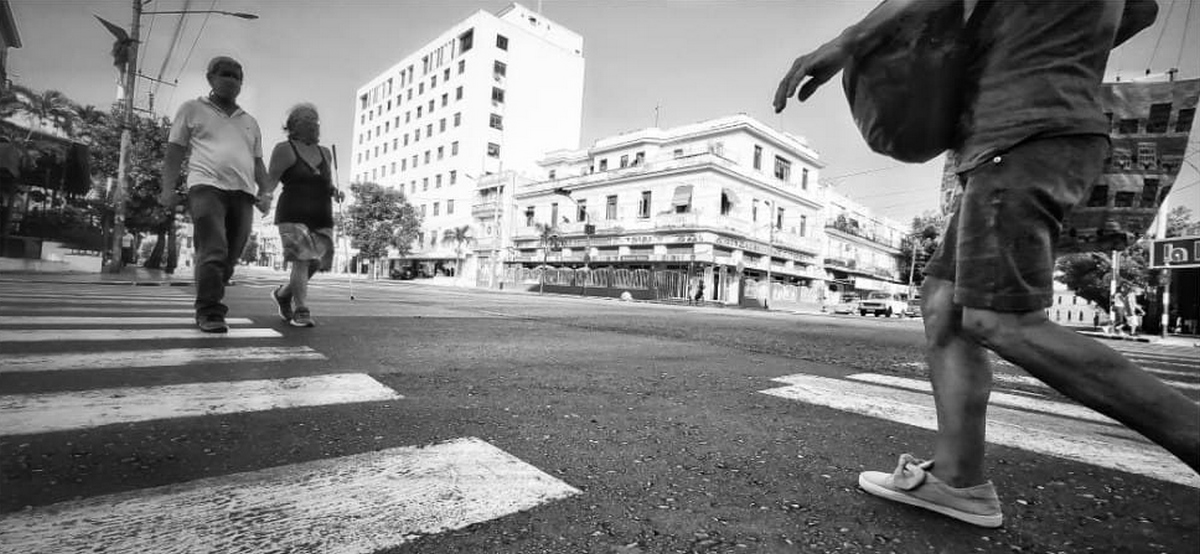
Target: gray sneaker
[(283, 302), (302, 318), (912, 484)]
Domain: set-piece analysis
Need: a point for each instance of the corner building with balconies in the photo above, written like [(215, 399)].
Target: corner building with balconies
[(493, 92), (729, 203), (863, 254)]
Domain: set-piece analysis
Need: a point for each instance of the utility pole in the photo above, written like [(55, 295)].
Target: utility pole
[(770, 253), (913, 266), (118, 198)]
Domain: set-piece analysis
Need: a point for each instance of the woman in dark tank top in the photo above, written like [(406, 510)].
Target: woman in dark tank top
[(304, 214)]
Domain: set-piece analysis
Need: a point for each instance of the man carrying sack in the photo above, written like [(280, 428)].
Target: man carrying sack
[(1030, 139)]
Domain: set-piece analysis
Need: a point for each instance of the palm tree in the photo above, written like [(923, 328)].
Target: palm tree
[(460, 236), (548, 236), (47, 106)]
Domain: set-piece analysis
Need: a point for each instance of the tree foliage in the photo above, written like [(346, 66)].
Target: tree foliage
[(380, 218), (1180, 224), (925, 234)]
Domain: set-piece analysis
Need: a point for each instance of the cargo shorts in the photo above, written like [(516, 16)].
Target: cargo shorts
[(998, 247), (301, 244)]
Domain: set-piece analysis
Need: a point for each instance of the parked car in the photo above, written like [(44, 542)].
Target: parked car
[(885, 304), (914, 307), (845, 307), (402, 273)]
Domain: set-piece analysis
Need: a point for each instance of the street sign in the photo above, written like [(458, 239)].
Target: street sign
[(1176, 252)]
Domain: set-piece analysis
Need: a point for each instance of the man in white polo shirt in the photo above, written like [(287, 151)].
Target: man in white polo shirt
[(224, 173)]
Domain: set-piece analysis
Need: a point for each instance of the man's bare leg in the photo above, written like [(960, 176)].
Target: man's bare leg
[(962, 382), (1092, 374)]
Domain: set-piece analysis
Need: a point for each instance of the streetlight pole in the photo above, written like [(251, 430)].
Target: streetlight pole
[(116, 262), (770, 252)]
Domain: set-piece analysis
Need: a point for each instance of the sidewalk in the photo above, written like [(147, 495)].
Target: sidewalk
[(1169, 340)]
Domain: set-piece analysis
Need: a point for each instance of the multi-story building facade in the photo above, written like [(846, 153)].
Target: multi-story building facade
[(862, 250), (493, 92), (729, 203)]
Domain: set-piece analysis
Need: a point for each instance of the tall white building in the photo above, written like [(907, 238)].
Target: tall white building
[(492, 93), (863, 249)]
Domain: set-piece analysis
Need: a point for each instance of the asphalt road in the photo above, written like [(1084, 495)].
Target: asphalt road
[(476, 421)]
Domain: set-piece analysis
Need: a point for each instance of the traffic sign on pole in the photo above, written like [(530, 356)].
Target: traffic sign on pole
[(1175, 252)]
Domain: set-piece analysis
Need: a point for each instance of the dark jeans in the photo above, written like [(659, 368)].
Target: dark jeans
[(221, 222)]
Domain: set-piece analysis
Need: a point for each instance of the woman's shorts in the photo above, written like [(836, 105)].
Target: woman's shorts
[(998, 248), (301, 244)]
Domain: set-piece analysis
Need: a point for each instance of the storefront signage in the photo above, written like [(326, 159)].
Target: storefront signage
[(1179, 252)]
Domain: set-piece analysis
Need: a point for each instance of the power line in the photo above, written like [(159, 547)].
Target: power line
[(1161, 31), (1183, 41), (179, 24), (199, 33)]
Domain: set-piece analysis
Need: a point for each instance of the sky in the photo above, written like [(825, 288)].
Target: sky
[(693, 59)]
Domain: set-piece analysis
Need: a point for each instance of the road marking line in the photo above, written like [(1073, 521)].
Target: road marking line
[(43, 335), (1079, 441), (109, 359), (100, 301), (61, 411), (997, 398), (349, 505), (1142, 360), (1010, 379), (131, 320), (107, 310)]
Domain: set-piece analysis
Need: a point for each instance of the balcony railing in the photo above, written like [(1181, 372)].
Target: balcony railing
[(690, 221)]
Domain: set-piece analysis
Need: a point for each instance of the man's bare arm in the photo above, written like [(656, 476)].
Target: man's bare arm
[(172, 165), (826, 61)]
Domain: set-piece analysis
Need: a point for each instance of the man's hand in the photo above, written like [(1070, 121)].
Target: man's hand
[(818, 66), (338, 195), (263, 202)]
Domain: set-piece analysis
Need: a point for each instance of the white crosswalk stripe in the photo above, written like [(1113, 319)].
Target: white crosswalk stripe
[(357, 503), (1016, 417)]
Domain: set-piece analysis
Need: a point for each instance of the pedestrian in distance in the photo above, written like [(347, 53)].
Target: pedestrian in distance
[(1034, 138), (225, 170), (304, 214)]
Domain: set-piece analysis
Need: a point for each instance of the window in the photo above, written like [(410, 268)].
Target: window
[(639, 158), (529, 216), (779, 218), (1127, 126), (644, 205), (454, 148), (423, 210), (414, 162), (610, 207), (431, 104), (1099, 196), (499, 69), (625, 161), (783, 169), (417, 135), (502, 42), (1183, 123), (604, 165), (754, 210), (462, 66), (442, 125), (582, 214), (493, 150), (437, 181), (449, 207), (465, 42), (446, 75), (678, 153), (554, 213), (421, 87), (420, 109), (803, 225), (441, 152), (496, 122), (408, 117), (1124, 199), (498, 95), (1159, 115), (424, 184), (445, 99), (429, 130), (757, 157), (453, 177), (433, 82), (804, 178), (457, 119), (428, 155), (403, 164), (409, 94), (726, 203), (436, 205), (458, 93), (1149, 192)]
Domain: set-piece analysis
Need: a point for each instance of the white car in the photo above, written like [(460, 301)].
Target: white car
[(884, 303)]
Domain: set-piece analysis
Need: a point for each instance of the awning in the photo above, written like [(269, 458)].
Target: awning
[(683, 196)]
